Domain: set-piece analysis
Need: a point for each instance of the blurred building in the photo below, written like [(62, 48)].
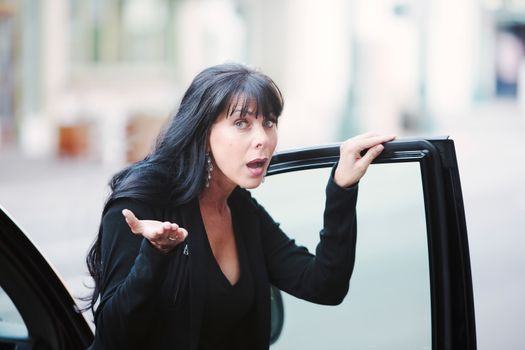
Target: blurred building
[(98, 78)]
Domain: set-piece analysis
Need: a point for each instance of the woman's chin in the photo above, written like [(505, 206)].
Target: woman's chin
[(253, 183)]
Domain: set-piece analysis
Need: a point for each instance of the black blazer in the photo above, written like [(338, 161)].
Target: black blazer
[(151, 300)]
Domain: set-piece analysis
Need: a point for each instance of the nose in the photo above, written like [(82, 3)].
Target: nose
[(261, 137)]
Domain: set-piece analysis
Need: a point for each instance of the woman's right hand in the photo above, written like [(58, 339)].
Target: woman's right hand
[(162, 235)]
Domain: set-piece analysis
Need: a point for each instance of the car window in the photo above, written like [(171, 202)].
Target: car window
[(12, 325), (388, 304)]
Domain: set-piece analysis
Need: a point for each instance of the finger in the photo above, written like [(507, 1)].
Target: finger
[(178, 235), (132, 221), (169, 240), (176, 238), (372, 154), (166, 231), (170, 229), (373, 141), (183, 234)]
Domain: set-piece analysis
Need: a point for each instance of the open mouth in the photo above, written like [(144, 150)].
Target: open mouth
[(255, 164)]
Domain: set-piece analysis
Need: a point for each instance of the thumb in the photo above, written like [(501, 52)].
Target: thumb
[(132, 221)]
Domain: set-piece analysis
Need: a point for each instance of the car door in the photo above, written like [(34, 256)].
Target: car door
[(411, 287), (36, 310)]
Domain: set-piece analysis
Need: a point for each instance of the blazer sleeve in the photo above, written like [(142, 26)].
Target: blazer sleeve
[(132, 270), (322, 278)]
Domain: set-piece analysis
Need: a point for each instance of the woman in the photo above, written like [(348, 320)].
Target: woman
[(185, 256)]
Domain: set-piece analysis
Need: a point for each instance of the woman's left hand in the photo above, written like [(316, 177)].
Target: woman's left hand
[(352, 166)]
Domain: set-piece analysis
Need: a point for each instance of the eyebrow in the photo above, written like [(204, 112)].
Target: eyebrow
[(243, 111)]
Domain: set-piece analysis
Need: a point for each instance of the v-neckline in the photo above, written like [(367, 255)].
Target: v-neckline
[(210, 250)]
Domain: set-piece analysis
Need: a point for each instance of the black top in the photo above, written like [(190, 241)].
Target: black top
[(151, 300), (226, 304)]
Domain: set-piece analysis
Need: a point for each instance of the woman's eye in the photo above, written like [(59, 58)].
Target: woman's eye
[(241, 123), (268, 123)]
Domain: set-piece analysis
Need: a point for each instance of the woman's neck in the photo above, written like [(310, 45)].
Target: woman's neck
[(216, 196)]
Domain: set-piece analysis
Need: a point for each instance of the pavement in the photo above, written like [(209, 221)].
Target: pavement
[(58, 203)]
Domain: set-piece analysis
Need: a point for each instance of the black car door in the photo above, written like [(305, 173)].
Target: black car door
[(411, 287), (36, 311)]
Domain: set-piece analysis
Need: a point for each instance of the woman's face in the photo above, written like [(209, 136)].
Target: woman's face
[(241, 147)]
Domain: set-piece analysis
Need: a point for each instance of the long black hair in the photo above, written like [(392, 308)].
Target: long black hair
[(175, 170)]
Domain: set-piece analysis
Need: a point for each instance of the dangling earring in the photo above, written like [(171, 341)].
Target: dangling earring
[(209, 169)]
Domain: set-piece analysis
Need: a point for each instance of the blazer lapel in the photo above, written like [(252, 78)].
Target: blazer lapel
[(249, 226), (196, 250)]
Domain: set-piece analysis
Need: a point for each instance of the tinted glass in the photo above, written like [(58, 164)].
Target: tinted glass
[(388, 305), (11, 323)]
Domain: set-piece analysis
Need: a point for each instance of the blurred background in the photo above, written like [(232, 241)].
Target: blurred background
[(86, 85)]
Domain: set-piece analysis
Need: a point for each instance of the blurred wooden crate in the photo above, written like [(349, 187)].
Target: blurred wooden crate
[(73, 140)]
